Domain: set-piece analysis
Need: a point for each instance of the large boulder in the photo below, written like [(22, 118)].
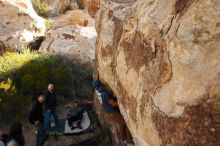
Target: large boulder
[(74, 41), (109, 22), (75, 17), (61, 6), (56, 7), (161, 59), (19, 24), (92, 5)]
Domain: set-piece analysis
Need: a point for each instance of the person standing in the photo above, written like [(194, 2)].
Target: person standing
[(50, 107), (36, 117)]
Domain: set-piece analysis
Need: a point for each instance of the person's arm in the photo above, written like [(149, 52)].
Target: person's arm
[(107, 97), (113, 103), (32, 115)]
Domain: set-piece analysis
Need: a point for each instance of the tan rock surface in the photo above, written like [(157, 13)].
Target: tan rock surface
[(92, 5), (19, 24), (61, 6), (75, 17), (75, 41), (162, 61)]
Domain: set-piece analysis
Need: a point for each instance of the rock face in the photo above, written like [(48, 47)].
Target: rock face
[(19, 24), (75, 17), (92, 5), (75, 41), (61, 6), (161, 59)]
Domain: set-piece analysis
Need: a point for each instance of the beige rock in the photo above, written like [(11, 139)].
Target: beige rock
[(19, 24), (61, 6), (75, 17), (74, 41), (162, 61), (92, 5)]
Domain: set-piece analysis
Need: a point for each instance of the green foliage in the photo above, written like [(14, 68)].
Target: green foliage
[(25, 74), (41, 8), (49, 23), (12, 102), (12, 61), (7, 87)]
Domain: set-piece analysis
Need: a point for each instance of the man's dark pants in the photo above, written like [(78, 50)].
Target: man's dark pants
[(41, 135)]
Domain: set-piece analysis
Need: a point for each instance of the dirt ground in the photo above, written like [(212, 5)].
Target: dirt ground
[(97, 134)]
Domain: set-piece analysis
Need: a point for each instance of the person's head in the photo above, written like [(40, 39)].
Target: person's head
[(15, 132), (96, 84), (50, 87), (41, 98)]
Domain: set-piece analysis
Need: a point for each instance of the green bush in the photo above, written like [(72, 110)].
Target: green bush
[(41, 8), (12, 102), (49, 23), (25, 74)]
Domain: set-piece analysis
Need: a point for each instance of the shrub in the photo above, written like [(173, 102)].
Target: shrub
[(12, 102), (49, 23), (41, 8), (25, 74)]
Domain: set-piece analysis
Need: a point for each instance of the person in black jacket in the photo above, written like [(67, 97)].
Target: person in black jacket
[(36, 117), (50, 107)]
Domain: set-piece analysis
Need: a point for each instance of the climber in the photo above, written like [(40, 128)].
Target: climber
[(36, 117), (111, 108), (50, 107)]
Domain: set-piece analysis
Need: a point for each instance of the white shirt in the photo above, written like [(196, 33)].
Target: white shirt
[(99, 96)]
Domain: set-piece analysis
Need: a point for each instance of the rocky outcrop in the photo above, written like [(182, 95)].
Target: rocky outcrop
[(92, 5), (19, 24), (74, 41), (61, 6), (75, 17), (161, 59)]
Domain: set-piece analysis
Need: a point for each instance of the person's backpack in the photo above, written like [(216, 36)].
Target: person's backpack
[(74, 115)]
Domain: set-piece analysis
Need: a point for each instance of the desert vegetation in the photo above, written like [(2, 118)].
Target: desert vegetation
[(25, 74)]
